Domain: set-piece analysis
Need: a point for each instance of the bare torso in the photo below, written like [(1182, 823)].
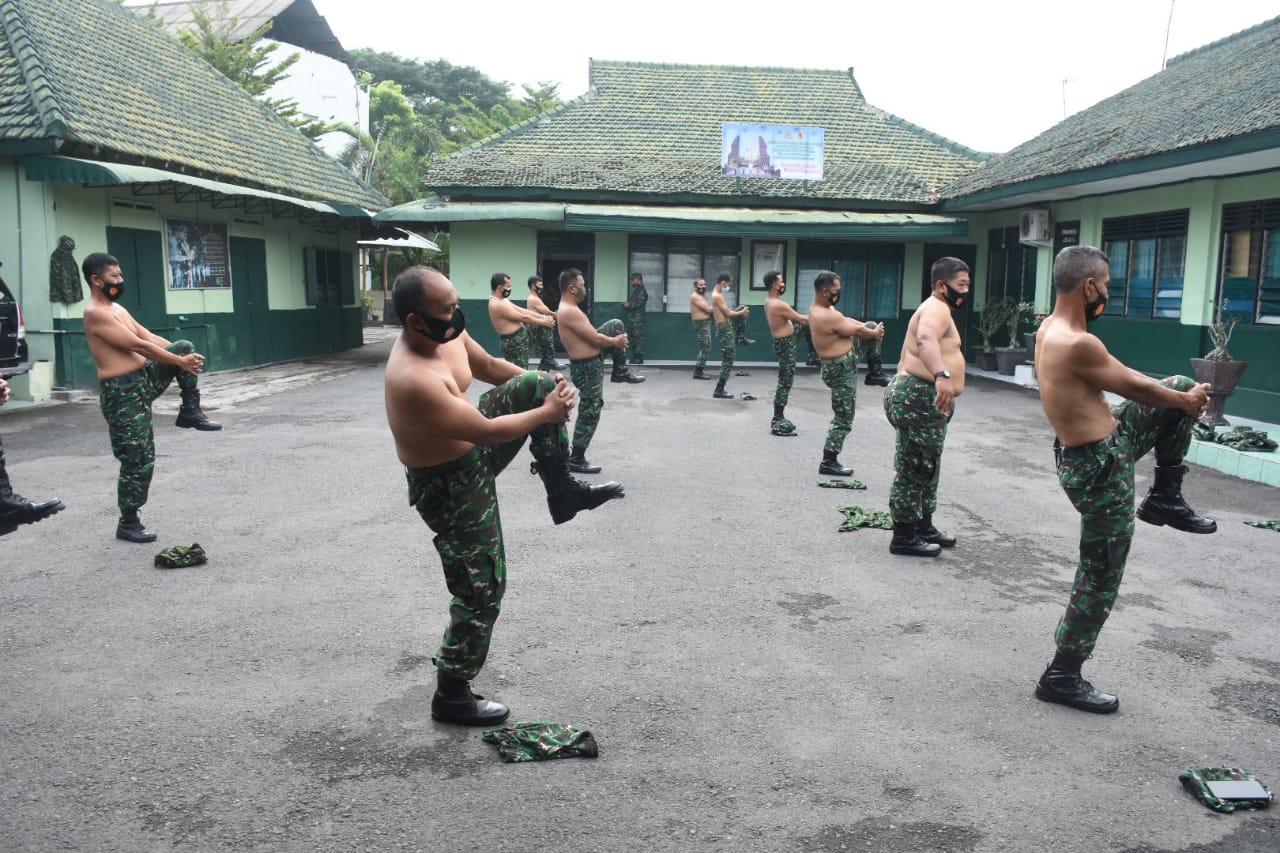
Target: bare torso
[(575, 331), (698, 307), (112, 361), (830, 332), (780, 316), (936, 315), (505, 315), (413, 382), (535, 303), (1077, 410)]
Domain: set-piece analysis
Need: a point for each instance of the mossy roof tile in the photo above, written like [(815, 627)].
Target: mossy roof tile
[(101, 78), (652, 129)]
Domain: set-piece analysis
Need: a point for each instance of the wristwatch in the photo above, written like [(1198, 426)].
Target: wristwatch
[(942, 374)]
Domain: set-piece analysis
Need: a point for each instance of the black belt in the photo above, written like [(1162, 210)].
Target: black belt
[(1086, 449), (128, 377)]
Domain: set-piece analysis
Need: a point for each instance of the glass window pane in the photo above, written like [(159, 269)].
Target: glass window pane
[(649, 265), (1142, 278), (1269, 285), (804, 287), (716, 264), (884, 274), (1173, 252), (1118, 289), (681, 272), (853, 287)]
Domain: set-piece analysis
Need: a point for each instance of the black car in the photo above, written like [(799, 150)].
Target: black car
[(13, 339)]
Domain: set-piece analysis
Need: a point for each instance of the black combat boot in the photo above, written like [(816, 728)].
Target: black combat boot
[(720, 393), (637, 359), (130, 529), (549, 364), (1164, 503), (455, 703), (906, 540), (744, 341), (1062, 683), (578, 463), (831, 465), (190, 415), (926, 531), (621, 374), (698, 373), (813, 360), (565, 495), (16, 510), (875, 373)]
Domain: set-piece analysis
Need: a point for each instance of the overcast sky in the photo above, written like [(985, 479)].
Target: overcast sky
[(986, 73)]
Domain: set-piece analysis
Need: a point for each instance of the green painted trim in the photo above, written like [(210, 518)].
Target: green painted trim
[(475, 211), (477, 194), (1252, 143), (713, 228), (28, 146)]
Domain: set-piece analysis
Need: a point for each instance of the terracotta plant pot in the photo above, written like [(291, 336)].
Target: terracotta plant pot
[(1222, 377), (1008, 358)]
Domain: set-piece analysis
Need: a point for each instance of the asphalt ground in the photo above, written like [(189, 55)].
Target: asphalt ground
[(756, 679)]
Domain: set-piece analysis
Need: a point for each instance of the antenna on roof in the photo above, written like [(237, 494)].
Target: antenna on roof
[(1065, 81), (1164, 60)]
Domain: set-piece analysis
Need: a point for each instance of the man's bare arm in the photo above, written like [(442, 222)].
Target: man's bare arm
[(848, 327), (576, 322), (930, 328), (795, 316), (1092, 363), (486, 367), (123, 338), (510, 311), (453, 418)]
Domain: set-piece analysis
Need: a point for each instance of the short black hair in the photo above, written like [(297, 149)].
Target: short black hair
[(1076, 263), (724, 276), (534, 279), (945, 269), (96, 264), (771, 278), (636, 275), (567, 277), (408, 291), (498, 279), (824, 280)]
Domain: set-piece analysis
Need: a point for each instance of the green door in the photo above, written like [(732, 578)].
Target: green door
[(141, 255), (249, 298)]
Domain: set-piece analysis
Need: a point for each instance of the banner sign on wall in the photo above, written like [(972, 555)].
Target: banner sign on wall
[(199, 254), (771, 151)]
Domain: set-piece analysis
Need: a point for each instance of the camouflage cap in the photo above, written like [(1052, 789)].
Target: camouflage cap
[(181, 556)]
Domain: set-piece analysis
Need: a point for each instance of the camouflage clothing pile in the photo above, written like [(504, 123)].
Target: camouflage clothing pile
[(1266, 525), (1196, 782), (841, 484), (541, 741), (782, 427), (859, 516), (181, 557), (1241, 437), (747, 395)]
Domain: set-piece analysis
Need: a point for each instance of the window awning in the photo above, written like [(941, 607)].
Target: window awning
[(74, 170), (704, 221)]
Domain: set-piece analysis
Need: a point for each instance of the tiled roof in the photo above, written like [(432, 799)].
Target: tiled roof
[(648, 129), (116, 87), (1222, 91)]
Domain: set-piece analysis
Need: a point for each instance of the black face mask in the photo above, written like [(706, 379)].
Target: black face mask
[(443, 331), (833, 296), (538, 290), (701, 289), (1094, 308), (782, 289), (954, 297), (506, 291), (113, 291)]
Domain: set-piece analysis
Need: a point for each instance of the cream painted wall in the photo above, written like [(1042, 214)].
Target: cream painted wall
[(477, 250), (612, 272), (26, 209)]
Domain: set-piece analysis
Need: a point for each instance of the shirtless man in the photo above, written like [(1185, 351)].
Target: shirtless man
[(135, 367), (543, 337), (509, 321), (452, 451), (586, 347), (832, 334), (726, 331), (700, 314), (919, 403), (1096, 448), (784, 323), (16, 510)]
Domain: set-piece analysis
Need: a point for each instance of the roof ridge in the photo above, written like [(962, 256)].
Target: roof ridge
[(1228, 38), (950, 144), (696, 65), (43, 100)]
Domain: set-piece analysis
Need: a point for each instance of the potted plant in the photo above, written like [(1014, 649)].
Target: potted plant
[(1218, 368), (992, 319), (1008, 358)]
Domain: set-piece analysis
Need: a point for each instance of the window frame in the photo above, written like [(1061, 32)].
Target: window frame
[(1128, 231), (1260, 219), (668, 245)]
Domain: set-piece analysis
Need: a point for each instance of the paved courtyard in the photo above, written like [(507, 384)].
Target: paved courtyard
[(756, 679)]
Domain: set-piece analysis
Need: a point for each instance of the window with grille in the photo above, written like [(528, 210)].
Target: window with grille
[(671, 264), (870, 276), (1250, 277), (1148, 256)]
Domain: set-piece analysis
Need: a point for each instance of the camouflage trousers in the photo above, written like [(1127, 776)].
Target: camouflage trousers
[(740, 326), (4, 473), (588, 375), (635, 323), (842, 378), (126, 405), (868, 348), (917, 457), (1098, 480), (544, 341), (702, 329), (728, 349), (459, 503), (515, 348), (785, 350)]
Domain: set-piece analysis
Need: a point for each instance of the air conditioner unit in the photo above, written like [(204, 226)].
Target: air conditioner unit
[(1033, 227)]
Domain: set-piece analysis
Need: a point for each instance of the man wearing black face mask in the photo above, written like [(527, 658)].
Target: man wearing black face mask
[(785, 325), (919, 403), (700, 314), (543, 337), (833, 335), (509, 321), (1096, 448), (452, 451), (135, 367)]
